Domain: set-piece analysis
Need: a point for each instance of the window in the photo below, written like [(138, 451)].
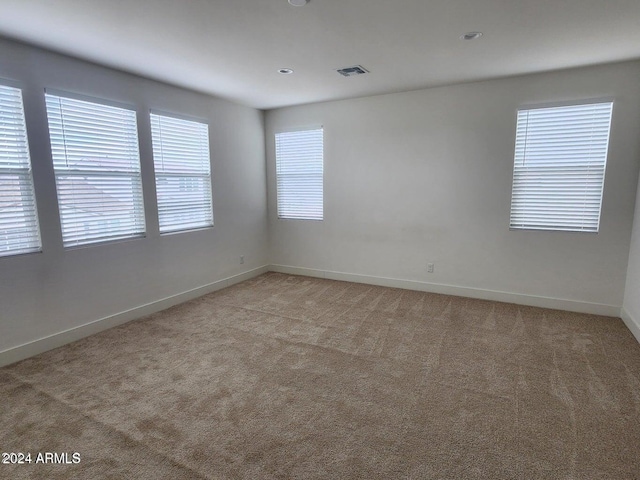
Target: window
[(19, 232), (558, 175), (299, 172), (183, 173), (97, 169)]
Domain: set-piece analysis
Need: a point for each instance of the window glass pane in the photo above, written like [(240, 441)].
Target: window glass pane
[(299, 172), (559, 167), (19, 231), (97, 167), (183, 173)]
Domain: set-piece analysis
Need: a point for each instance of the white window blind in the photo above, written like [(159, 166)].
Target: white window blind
[(559, 167), (183, 173), (97, 168), (19, 232), (299, 172)]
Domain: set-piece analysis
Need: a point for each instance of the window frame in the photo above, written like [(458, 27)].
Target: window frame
[(26, 178), (552, 105), (207, 177), (137, 187), (294, 130)]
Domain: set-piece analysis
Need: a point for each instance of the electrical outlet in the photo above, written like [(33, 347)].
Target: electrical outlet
[(241, 259), (430, 267)]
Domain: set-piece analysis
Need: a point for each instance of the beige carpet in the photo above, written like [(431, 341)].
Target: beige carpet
[(293, 377)]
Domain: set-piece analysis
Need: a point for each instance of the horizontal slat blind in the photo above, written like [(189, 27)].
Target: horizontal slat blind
[(19, 231), (183, 173), (559, 167), (97, 167), (299, 172)]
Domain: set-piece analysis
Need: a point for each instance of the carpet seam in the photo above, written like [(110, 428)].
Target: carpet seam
[(370, 360)]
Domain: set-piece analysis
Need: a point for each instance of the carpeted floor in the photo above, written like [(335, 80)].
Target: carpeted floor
[(293, 377)]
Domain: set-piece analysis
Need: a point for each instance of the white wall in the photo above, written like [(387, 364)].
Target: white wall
[(426, 176), (410, 178), (631, 303), (46, 293)]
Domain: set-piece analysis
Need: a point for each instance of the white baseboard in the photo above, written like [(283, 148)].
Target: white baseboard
[(508, 297), (30, 349), (36, 347), (632, 323)]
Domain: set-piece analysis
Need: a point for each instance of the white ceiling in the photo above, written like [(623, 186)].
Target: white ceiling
[(233, 48)]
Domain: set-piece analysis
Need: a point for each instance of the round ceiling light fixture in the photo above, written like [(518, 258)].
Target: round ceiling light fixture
[(285, 71), (471, 35), (298, 3)]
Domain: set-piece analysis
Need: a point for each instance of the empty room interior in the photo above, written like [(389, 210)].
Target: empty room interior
[(277, 239)]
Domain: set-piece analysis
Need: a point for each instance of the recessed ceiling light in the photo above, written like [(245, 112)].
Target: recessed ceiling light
[(285, 71), (471, 35), (298, 3)]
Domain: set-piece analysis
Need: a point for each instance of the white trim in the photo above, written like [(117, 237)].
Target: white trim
[(632, 324), (179, 116), (498, 296), (36, 347), (568, 103), (91, 99), (314, 126), (56, 340)]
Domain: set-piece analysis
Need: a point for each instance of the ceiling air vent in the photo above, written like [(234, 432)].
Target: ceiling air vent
[(351, 71)]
